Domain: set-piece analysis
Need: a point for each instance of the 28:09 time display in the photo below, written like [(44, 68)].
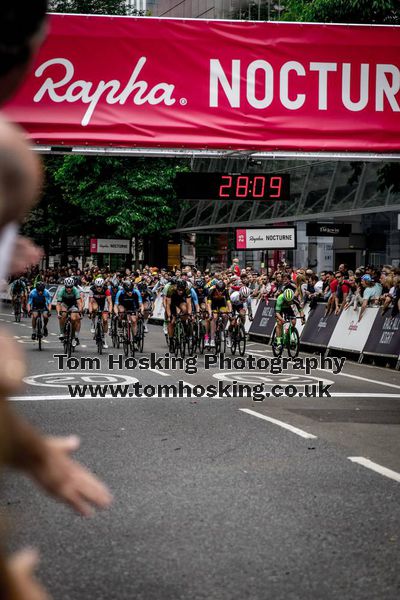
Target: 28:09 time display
[(251, 186)]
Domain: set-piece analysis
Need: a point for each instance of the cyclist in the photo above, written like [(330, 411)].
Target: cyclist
[(128, 300), (147, 298), (69, 300), (284, 310), (114, 288), (202, 294), (100, 300), (218, 301), (178, 300), (240, 301), (39, 299), (172, 281), (19, 289)]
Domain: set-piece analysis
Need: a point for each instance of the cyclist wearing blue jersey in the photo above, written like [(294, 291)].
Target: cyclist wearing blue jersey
[(39, 299), (129, 301)]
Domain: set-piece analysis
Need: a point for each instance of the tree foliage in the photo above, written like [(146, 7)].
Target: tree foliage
[(131, 196), (92, 7), (106, 196), (343, 11)]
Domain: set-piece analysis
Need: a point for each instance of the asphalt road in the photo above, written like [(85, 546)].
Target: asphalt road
[(296, 499)]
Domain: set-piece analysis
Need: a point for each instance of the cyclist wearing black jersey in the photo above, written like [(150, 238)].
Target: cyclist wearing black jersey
[(100, 300)]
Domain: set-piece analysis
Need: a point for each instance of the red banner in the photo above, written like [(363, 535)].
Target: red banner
[(148, 82)]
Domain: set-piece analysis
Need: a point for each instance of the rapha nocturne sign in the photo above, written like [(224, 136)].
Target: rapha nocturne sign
[(149, 82)]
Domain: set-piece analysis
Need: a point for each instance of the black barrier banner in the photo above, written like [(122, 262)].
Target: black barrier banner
[(318, 328), (384, 337), (264, 319)]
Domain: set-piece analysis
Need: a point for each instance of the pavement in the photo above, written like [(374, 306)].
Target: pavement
[(216, 498)]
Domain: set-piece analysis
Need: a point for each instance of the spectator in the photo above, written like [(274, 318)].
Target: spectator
[(342, 291), (372, 293)]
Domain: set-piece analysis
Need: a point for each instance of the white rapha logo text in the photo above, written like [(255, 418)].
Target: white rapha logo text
[(113, 91)]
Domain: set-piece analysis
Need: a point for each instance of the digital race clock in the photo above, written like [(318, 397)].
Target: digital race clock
[(238, 186)]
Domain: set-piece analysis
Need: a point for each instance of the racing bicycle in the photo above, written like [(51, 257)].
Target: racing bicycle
[(39, 327), (220, 333), (99, 330), (69, 345), (290, 339), (238, 335)]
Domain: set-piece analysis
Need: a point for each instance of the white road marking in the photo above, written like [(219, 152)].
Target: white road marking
[(87, 397), (369, 464), (392, 385), (295, 430), (361, 395)]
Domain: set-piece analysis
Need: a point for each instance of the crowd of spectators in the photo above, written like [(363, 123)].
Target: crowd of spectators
[(342, 289)]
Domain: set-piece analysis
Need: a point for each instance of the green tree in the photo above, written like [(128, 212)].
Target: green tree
[(343, 11), (127, 196), (92, 7)]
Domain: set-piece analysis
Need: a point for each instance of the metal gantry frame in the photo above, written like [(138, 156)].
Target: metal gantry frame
[(319, 190)]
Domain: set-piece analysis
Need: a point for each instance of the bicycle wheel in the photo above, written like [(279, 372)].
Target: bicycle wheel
[(276, 350), (114, 336), (293, 342), (217, 340), (201, 339), (99, 337), (39, 333), (17, 311), (125, 340), (234, 334), (131, 340), (140, 336), (223, 339), (68, 339), (190, 339), (241, 339)]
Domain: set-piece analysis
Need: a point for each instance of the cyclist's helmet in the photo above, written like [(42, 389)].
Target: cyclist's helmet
[(115, 283), (200, 283), (244, 292), (173, 280), (288, 295), (181, 284), (142, 287), (220, 286), (69, 282), (128, 285), (99, 282), (40, 286)]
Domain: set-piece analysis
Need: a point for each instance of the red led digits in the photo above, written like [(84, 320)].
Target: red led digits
[(258, 187), (226, 186), (276, 184), (242, 186)]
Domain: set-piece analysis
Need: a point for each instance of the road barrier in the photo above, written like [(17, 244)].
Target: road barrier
[(319, 327), (350, 334), (372, 335), (384, 337)]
